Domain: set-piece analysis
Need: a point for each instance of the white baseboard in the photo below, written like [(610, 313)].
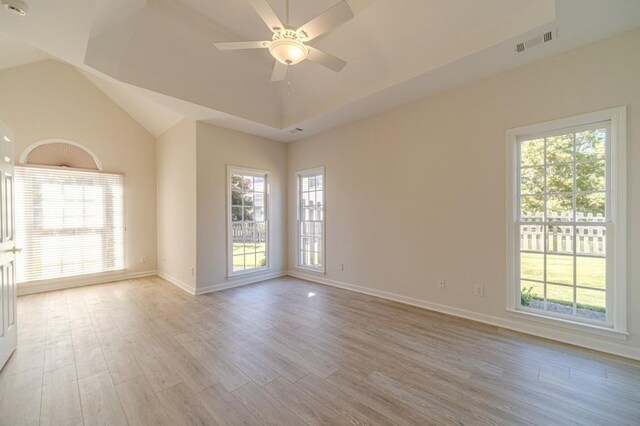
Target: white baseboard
[(178, 283), (237, 282), (71, 282), (549, 332)]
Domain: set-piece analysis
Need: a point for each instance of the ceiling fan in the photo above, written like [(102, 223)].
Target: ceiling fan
[(287, 45)]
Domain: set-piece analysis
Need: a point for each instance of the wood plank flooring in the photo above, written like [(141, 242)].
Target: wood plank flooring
[(289, 352)]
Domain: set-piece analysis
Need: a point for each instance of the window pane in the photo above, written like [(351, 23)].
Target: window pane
[(532, 180), (259, 214), (590, 145), (560, 149), (591, 304), (560, 208), (532, 238), (590, 176), (532, 152), (236, 198), (560, 269), (591, 272), (560, 239), (259, 184), (247, 214), (591, 240), (532, 266), (532, 294), (236, 214), (247, 199), (249, 248), (261, 259), (590, 207), (560, 178), (250, 260), (560, 299), (532, 208), (238, 262)]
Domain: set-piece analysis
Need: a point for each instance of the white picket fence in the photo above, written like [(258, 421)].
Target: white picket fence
[(254, 232), (589, 239)]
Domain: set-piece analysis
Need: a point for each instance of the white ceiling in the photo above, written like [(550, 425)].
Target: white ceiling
[(155, 117), (14, 53), (397, 51)]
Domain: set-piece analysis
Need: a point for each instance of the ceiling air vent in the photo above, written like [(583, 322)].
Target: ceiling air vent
[(544, 38), (296, 130)]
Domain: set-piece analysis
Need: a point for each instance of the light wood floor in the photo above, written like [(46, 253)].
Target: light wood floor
[(290, 352)]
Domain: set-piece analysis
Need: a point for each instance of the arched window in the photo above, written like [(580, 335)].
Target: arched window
[(69, 213)]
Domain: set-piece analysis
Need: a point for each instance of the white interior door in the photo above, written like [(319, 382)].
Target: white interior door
[(8, 294)]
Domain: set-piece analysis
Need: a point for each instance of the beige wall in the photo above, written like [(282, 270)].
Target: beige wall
[(418, 193), (176, 151), (50, 99), (217, 148)]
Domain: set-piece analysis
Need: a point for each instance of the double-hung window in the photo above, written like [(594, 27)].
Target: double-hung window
[(248, 225), (69, 222), (310, 225), (567, 219)]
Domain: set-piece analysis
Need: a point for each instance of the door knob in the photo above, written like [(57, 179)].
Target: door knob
[(16, 250)]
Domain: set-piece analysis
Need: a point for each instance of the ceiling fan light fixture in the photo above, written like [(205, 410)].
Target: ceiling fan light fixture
[(288, 51)]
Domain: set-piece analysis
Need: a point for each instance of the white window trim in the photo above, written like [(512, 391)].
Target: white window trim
[(312, 172), (618, 217), (252, 172)]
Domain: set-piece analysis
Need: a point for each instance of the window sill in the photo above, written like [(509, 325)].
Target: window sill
[(320, 272), (570, 325), (238, 275)]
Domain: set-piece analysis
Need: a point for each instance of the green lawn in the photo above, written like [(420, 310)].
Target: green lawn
[(590, 272)]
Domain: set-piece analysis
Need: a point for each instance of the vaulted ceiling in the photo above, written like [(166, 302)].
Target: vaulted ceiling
[(397, 51)]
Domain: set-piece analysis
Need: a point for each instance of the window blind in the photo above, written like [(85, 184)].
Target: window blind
[(68, 222)]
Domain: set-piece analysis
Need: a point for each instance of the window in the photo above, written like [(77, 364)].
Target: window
[(248, 220), (310, 227), (567, 208), (68, 222)]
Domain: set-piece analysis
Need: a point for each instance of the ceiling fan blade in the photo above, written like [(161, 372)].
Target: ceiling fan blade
[(267, 14), (326, 60), (279, 71), (326, 21), (239, 45)]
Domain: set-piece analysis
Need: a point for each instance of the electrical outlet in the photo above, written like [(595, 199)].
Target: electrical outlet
[(342, 267), (479, 290), (442, 283), (143, 259)]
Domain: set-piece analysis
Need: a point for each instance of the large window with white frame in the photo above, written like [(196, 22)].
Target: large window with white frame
[(310, 225), (69, 222), (248, 225), (567, 212)]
